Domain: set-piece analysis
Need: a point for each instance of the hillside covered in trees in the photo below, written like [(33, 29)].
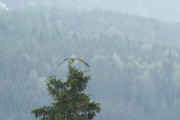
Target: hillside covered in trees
[(135, 61)]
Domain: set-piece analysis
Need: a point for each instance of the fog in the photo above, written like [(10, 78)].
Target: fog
[(3, 6), (165, 10), (132, 47)]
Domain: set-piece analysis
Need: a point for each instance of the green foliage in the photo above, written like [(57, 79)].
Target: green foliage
[(70, 101)]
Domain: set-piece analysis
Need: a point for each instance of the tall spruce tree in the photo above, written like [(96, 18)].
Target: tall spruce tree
[(70, 101)]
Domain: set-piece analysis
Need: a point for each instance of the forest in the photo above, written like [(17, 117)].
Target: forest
[(134, 61)]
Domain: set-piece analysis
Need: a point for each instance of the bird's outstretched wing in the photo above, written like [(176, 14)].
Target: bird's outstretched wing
[(85, 63), (63, 61)]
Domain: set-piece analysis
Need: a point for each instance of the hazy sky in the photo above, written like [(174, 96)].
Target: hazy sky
[(165, 10), (3, 6)]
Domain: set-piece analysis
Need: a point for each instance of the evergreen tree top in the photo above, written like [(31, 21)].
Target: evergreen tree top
[(70, 101)]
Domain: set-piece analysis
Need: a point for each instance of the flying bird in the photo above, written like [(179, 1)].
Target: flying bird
[(72, 60)]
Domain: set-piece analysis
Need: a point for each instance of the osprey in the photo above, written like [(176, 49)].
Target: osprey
[(72, 60)]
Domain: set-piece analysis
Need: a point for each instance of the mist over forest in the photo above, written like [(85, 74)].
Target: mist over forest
[(134, 60), (164, 10)]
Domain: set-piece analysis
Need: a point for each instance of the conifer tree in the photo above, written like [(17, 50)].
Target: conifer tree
[(69, 99)]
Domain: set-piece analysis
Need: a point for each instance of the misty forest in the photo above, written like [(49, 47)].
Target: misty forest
[(134, 61)]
